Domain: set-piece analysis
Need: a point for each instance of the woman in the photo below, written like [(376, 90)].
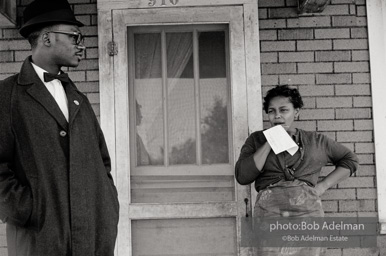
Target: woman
[(288, 185)]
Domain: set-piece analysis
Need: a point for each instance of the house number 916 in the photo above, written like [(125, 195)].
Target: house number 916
[(163, 2)]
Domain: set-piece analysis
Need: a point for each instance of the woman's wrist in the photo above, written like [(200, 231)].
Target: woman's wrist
[(321, 187)]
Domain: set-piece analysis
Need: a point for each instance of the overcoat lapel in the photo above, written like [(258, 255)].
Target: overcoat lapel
[(39, 92), (74, 100)]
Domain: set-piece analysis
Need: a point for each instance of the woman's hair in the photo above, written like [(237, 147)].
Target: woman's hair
[(283, 91)]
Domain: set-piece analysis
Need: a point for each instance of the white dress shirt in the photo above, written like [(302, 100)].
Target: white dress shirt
[(56, 89)]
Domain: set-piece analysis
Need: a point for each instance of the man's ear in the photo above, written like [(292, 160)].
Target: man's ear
[(46, 39)]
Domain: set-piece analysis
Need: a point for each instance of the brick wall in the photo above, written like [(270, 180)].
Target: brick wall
[(326, 57)]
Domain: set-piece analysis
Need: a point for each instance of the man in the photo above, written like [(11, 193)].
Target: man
[(57, 195)]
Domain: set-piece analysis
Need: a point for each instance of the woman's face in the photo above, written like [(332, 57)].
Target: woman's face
[(282, 112)]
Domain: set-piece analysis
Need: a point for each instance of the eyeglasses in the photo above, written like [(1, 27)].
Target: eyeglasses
[(77, 36)]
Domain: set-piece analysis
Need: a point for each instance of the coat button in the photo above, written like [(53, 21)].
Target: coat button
[(76, 102), (63, 133)]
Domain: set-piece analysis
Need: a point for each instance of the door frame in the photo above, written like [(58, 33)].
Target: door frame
[(377, 50), (242, 17)]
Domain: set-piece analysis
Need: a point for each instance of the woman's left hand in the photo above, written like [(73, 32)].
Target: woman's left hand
[(320, 188), (336, 176)]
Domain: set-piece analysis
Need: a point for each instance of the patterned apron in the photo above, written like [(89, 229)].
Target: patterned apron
[(289, 199)]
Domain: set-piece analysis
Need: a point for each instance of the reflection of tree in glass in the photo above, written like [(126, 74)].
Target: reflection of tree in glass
[(159, 160), (184, 153), (214, 137)]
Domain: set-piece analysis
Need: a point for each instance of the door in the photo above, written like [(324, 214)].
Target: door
[(181, 117)]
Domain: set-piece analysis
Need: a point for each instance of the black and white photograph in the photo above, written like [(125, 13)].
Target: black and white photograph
[(192, 128)]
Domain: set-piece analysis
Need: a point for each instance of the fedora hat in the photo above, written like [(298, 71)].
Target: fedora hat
[(42, 13)]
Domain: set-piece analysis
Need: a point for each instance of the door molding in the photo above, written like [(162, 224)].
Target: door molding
[(245, 93), (148, 4), (377, 49)]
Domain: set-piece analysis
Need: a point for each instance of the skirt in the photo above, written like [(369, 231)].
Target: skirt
[(288, 199)]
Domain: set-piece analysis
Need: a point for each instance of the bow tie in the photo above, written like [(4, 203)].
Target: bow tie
[(63, 77)]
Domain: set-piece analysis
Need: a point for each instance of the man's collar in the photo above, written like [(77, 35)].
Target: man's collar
[(27, 73), (39, 71)]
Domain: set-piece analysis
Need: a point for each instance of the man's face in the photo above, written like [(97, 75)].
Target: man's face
[(64, 49)]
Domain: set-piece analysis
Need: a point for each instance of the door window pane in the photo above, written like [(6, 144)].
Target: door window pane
[(181, 101), (214, 98), (148, 99)]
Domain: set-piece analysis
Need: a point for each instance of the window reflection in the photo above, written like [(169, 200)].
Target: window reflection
[(181, 98), (143, 157), (148, 98), (214, 98)]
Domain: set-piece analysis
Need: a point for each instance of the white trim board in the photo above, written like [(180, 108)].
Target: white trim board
[(376, 10)]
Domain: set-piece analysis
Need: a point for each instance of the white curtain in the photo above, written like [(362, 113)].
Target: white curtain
[(148, 65)]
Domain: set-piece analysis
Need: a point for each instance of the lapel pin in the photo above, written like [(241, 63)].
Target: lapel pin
[(76, 102)]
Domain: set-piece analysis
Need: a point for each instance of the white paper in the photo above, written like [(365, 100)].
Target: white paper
[(280, 140)]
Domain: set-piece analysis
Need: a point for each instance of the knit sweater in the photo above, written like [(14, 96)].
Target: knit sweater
[(316, 150)]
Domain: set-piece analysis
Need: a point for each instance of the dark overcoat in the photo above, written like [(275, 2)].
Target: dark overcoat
[(57, 195)]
